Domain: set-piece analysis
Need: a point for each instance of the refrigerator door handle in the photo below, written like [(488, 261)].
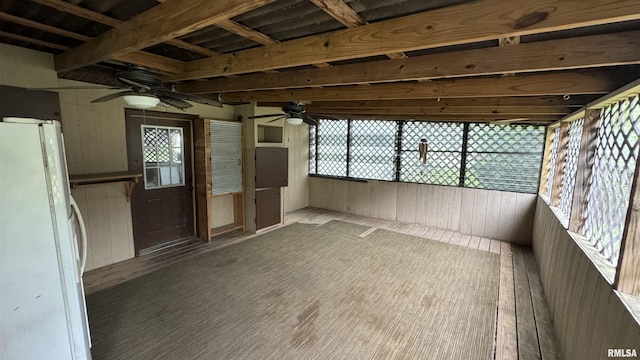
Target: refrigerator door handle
[(83, 234)]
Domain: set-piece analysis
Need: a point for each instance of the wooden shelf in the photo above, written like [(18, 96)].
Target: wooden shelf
[(129, 180)]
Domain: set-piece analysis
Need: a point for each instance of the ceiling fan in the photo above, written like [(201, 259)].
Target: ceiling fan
[(146, 91), (293, 112)]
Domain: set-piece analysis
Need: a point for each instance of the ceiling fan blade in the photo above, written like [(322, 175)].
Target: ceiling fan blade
[(264, 116), (113, 96), (188, 97), (309, 120), (177, 103), (86, 87), (276, 119), (134, 83)]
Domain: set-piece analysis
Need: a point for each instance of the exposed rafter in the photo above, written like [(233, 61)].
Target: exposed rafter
[(471, 22), (33, 41), (575, 101), (153, 61), (249, 33), (70, 8), (562, 54), (448, 110), (36, 25), (348, 17), (535, 119), (163, 22), (595, 82)]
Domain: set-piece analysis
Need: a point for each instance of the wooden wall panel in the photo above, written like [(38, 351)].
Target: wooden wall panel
[(422, 204), (492, 216), (107, 216), (431, 205), (95, 142), (383, 198), (407, 194), (479, 212), (467, 211), (589, 317), (455, 204), (297, 193), (442, 207), (23, 67), (507, 212), (484, 213), (359, 199)]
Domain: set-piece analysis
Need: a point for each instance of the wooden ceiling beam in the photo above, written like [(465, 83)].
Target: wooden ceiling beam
[(340, 11), (161, 23), (348, 17), (251, 34), (471, 22), (575, 101), (69, 8), (431, 110), (152, 61), (33, 41), (592, 82), (246, 32), (43, 27), (157, 62), (563, 54), (436, 117), (76, 10)]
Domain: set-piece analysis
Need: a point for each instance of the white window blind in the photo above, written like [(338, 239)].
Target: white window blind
[(226, 157)]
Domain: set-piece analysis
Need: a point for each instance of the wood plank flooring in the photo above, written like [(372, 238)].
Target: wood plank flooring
[(524, 328)]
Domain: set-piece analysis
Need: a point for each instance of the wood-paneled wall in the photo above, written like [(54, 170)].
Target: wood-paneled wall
[(588, 316), (296, 195), (95, 142), (497, 215)]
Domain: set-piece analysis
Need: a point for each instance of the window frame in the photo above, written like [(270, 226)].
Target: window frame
[(400, 124)]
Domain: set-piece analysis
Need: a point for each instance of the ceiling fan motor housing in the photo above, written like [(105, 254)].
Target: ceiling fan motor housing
[(294, 108), (140, 75)]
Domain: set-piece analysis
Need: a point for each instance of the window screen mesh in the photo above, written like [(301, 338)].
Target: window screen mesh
[(504, 157), (497, 157), (570, 167), (312, 149), (372, 150), (444, 155), (331, 155), (615, 161)]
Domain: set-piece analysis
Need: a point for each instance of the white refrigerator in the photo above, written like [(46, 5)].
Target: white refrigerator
[(42, 304)]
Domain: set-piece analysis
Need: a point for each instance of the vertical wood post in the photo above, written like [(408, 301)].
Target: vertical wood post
[(561, 160), (628, 271), (202, 166), (546, 159), (586, 159)]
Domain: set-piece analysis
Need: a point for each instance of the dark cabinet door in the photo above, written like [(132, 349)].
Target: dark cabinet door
[(272, 167), (267, 207), (38, 104)]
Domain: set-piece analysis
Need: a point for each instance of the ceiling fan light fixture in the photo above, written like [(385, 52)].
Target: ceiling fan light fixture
[(294, 120), (141, 101)]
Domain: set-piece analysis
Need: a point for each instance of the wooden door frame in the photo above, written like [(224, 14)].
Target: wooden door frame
[(129, 113)]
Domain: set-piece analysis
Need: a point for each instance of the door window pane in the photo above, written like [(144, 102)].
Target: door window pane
[(151, 177), (163, 149)]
